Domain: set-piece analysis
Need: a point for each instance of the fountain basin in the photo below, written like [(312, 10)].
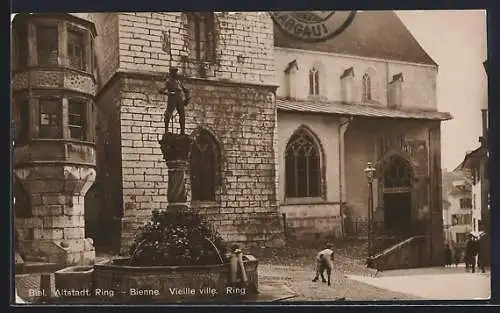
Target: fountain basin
[(119, 282)]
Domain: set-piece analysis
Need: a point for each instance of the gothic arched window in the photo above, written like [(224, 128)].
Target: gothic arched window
[(398, 173), (204, 167), (302, 166), (314, 81), (367, 87)]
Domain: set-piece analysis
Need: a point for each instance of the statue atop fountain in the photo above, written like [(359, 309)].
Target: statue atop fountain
[(176, 148)]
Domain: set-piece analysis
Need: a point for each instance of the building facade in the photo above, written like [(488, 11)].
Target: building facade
[(476, 163), (53, 102), (461, 216), (345, 102), (281, 127), (232, 118)]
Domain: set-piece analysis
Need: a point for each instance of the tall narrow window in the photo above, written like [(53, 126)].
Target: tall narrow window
[(47, 44), (22, 45), (76, 49), (77, 119), (466, 203), (367, 87), (314, 81), (202, 33), (50, 118), (302, 166), (23, 121), (204, 167)]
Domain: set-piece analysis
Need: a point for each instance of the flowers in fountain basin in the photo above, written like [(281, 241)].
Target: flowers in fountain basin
[(174, 238)]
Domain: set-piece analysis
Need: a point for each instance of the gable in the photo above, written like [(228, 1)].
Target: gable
[(373, 34)]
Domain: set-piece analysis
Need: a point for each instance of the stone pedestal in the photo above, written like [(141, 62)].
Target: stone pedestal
[(55, 230), (176, 149)]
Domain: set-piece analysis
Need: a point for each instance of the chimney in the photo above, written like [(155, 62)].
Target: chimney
[(291, 79), (395, 91), (346, 86)]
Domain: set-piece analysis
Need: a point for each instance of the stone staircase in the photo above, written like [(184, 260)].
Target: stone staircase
[(408, 253)]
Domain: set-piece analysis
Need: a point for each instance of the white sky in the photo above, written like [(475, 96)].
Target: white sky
[(456, 40)]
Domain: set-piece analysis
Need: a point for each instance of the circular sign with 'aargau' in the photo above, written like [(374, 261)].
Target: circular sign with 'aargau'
[(313, 26)]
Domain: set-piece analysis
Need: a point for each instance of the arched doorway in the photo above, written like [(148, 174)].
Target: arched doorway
[(94, 226), (398, 176)]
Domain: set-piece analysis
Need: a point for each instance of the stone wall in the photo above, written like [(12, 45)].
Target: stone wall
[(243, 47), (134, 49), (418, 87), (242, 120), (362, 141), (105, 45), (308, 219), (55, 230)]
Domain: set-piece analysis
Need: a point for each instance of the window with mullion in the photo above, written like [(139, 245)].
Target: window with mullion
[(50, 118), (77, 119), (314, 82), (367, 87), (22, 45), (47, 43), (202, 33), (76, 49), (302, 167)]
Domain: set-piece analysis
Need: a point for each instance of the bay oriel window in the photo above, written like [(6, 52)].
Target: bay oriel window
[(65, 116), (53, 43)]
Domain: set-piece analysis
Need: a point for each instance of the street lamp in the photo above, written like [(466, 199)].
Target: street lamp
[(370, 173)]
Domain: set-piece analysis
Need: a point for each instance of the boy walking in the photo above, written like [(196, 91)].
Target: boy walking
[(324, 262)]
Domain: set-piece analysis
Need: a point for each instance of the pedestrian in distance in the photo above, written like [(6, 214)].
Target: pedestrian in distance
[(457, 256), (447, 256), (470, 253), (481, 252)]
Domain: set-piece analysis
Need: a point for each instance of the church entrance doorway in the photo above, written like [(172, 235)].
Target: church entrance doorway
[(397, 195)]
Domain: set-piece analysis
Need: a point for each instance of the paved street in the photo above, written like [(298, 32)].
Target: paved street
[(433, 283), (293, 268), (351, 280), (286, 275), (298, 281)]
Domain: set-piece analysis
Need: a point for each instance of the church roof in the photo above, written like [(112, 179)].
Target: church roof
[(372, 34), (360, 109)]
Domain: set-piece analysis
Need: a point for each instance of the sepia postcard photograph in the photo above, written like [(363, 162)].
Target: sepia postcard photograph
[(249, 157)]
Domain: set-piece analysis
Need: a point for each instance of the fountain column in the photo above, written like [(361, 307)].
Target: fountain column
[(176, 150)]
